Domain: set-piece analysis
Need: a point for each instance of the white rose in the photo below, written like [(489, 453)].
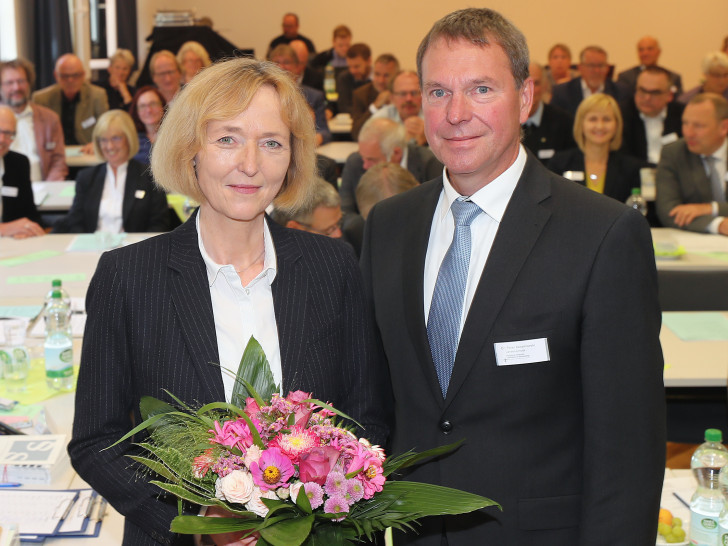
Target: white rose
[(256, 505), (295, 488), (237, 487), (252, 455)]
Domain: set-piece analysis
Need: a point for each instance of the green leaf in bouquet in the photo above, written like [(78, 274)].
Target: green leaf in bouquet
[(140, 427), (303, 502), (156, 466), (254, 377), (185, 494), (332, 408), (410, 457), (330, 535), (428, 499), (192, 525), (288, 532), (150, 406)]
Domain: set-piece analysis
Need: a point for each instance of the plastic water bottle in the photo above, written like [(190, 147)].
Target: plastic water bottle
[(708, 501), (58, 344), (637, 202), (330, 83), (56, 285), (723, 519)]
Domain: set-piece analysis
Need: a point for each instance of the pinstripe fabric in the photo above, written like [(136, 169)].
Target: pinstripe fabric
[(150, 327)]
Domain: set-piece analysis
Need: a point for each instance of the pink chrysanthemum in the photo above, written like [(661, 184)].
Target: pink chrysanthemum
[(298, 441), (315, 494), (335, 484), (272, 470), (337, 505), (354, 490)]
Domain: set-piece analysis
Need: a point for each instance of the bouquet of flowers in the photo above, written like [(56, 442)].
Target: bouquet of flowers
[(284, 467)]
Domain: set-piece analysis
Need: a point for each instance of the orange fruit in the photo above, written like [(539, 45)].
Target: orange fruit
[(665, 516)]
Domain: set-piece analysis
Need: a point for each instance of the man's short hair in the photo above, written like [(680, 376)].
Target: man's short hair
[(386, 58), (713, 60), (387, 132), (342, 31), (163, 53), (591, 49), (283, 50), (21, 64), (480, 26), (657, 70), (322, 194), (380, 182), (290, 14), (359, 50), (719, 103)]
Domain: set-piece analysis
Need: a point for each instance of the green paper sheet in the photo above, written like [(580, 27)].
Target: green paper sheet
[(27, 258), (706, 326), (46, 279)]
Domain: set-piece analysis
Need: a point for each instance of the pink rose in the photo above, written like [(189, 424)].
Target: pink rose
[(316, 464)]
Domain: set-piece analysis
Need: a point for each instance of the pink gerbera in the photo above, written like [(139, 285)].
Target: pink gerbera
[(272, 470), (298, 440)]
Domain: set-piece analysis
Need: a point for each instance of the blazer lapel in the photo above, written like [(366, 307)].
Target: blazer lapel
[(522, 223), (95, 192), (130, 187), (192, 303)]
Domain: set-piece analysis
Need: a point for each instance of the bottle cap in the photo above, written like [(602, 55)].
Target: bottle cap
[(713, 435), (57, 295), (636, 191), (56, 283)]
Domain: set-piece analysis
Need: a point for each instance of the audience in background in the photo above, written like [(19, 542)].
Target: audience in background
[(290, 32), (597, 163), (559, 65), (406, 107), (18, 216), (648, 51), (39, 135), (166, 74), (192, 57), (715, 74), (118, 91), (336, 56), (374, 95), (147, 109), (305, 74), (118, 195), (548, 128), (651, 117), (593, 72), (322, 213), (381, 182), (359, 63), (691, 175), (77, 102)]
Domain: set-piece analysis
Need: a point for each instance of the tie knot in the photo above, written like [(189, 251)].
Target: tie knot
[(464, 211)]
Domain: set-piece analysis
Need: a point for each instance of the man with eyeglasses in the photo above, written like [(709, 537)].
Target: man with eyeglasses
[(593, 78), (406, 107), (322, 215), (18, 216), (166, 74), (76, 101), (39, 135), (651, 117)]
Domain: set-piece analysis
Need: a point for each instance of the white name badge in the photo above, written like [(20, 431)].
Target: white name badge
[(139, 194), (667, 139), (577, 176), (546, 154), (89, 122), (647, 181), (9, 191), (50, 145), (527, 351)]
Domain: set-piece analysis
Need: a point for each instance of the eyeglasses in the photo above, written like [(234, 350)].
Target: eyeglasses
[(149, 105), (718, 74), (651, 92), (10, 135), (74, 76), (116, 139), (329, 231), (19, 82), (165, 73)]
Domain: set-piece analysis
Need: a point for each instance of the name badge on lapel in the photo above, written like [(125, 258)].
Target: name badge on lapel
[(576, 176), (546, 153), (668, 138), (9, 191), (88, 122), (50, 146), (527, 351), (139, 194)]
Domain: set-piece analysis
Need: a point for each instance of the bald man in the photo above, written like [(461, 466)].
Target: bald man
[(77, 102), (18, 216), (648, 51)]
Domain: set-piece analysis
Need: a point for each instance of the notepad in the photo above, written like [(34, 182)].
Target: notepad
[(35, 512)]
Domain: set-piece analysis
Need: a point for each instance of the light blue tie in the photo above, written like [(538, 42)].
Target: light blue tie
[(443, 321)]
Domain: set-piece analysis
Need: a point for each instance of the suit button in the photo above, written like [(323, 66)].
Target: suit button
[(446, 426)]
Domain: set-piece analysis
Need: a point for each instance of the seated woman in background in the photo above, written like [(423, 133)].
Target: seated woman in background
[(147, 109), (558, 69), (192, 57), (596, 163), (119, 194), (118, 91), (715, 74)]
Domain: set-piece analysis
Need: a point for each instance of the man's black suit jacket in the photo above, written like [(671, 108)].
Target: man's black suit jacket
[(144, 209), (634, 135), (555, 133), (568, 95), (151, 327), (18, 203), (564, 445)]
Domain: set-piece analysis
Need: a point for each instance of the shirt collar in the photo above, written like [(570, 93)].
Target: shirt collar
[(535, 119), (586, 91), (661, 116), (26, 113), (492, 198), (270, 262), (720, 153)]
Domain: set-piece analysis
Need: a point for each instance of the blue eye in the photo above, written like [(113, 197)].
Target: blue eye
[(482, 89), (438, 93), (272, 144), (226, 140)]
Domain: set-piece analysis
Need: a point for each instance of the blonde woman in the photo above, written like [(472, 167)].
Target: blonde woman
[(192, 57)]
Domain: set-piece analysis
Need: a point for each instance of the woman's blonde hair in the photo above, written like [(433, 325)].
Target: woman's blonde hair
[(598, 101), (116, 119), (222, 92), (198, 49)]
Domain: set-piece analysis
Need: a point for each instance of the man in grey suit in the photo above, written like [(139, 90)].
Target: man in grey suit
[(648, 51), (691, 176), (518, 312), (76, 101), (380, 140)]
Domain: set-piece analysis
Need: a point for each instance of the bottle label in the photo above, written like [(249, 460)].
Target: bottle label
[(703, 530), (59, 362), (723, 541)]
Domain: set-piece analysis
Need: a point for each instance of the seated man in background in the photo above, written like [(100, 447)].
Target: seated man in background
[(406, 107), (77, 102), (359, 62), (305, 74), (18, 216), (691, 175), (39, 135), (382, 182), (651, 117), (374, 95), (166, 74), (336, 56), (548, 129), (322, 215), (384, 140), (648, 51), (290, 26)]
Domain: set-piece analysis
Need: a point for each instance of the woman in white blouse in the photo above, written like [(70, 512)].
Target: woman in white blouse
[(118, 195)]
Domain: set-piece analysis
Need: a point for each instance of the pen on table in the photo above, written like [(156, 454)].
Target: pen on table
[(102, 510), (678, 497), (90, 506), (10, 484)]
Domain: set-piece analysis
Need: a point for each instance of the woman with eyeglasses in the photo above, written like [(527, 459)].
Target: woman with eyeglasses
[(147, 109), (118, 195)]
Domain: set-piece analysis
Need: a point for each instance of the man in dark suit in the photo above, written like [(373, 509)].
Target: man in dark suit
[(382, 140), (18, 216), (648, 51), (548, 129), (692, 173), (594, 71), (370, 97), (290, 26), (651, 117), (359, 62), (530, 330)]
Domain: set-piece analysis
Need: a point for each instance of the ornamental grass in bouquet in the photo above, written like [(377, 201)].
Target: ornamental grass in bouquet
[(288, 468)]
